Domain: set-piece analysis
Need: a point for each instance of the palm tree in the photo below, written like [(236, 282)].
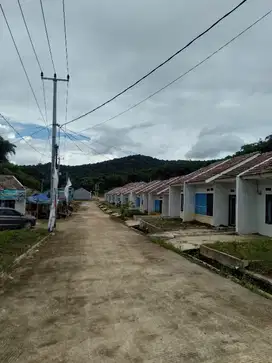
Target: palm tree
[(6, 148)]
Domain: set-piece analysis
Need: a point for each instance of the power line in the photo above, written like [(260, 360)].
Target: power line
[(65, 35), (47, 37), (72, 138), (161, 64), (98, 142), (182, 75), (29, 36), (37, 59), (21, 137), (45, 105), (22, 63), (40, 128)]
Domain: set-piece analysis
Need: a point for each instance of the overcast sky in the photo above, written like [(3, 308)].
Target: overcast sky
[(209, 113)]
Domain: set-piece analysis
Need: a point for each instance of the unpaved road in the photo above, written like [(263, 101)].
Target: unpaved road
[(101, 293)]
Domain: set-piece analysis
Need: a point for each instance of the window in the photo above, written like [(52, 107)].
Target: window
[(268, 209), (10, 212), (209, 204), (7, 203), (181, 202), (204, 204), (201, 203)]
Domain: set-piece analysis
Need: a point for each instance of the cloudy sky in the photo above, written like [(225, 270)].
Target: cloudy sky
[(209, 113)]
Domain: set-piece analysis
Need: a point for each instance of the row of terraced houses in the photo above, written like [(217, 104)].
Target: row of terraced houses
[(233, 192)]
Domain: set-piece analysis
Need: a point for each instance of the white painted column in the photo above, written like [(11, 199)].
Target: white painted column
[(132, 199), (246, 211), (174, 201), (150, 205), (221, 204), (165, 205), (143, 202), (189, 202)]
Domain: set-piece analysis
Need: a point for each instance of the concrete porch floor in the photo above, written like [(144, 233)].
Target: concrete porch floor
[(192, 238)]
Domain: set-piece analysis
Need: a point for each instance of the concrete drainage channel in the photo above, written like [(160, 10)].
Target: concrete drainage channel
[(185, 244), (216, 261), (238, 274)]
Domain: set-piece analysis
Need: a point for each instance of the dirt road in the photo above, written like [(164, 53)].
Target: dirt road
[(101, 293)]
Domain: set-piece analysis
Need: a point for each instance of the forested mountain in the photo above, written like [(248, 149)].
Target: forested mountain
[(116, 172)]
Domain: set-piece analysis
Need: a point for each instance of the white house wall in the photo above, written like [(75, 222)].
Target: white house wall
[(20, 206), (250, 212), (189, 203), (222, 191)]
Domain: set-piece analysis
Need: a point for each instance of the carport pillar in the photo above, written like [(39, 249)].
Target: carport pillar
[(221, 205), (174, 201), (150, 204), (246, 201), (143, 202), (189, 203), (165, 205)]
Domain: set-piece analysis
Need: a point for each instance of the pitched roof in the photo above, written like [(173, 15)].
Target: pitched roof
[(217, 168), (249, 164), (149, 186), (132, 187), (264, 165), (164, 185), (10, 182)]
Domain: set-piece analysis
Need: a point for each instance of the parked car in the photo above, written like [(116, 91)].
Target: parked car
[(12, 219)]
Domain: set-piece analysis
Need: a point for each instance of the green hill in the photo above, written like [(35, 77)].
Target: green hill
[(116, 172)]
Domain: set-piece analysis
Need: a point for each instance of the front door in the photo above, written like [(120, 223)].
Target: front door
[(232, 210), (160, 207)]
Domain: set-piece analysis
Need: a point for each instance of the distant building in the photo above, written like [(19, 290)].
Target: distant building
[(12, 193), (82, 194)]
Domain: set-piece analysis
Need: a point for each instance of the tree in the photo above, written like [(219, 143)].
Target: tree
[(6, 148)]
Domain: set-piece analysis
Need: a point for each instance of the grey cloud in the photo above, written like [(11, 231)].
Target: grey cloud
[(214, 145), (223, 102)]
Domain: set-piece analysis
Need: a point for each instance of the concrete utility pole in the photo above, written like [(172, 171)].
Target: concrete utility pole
[(54, 156)]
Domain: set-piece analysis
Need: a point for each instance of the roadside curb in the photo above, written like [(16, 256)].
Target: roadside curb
[(4, 276), (30, 250)]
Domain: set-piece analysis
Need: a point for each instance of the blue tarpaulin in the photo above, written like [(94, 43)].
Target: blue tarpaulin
[(39, 199)]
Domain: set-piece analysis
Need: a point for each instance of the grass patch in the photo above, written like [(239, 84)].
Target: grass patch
[(14, 243), (165, 224), (259, 251)]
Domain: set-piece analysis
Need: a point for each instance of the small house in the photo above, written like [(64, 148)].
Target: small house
[(82, 194), (254, 198), (12, 193)]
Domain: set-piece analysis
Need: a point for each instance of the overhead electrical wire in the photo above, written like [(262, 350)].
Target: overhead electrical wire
[(40, 128), (20, 136), (47, 37), (22, 63), (160, 65), (72, 138), (98, 142), (182, 75), (37, 59), (65, 35), (67, 67)]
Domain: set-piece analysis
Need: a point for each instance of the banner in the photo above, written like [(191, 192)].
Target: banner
[(54, 202), (66, 190)]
